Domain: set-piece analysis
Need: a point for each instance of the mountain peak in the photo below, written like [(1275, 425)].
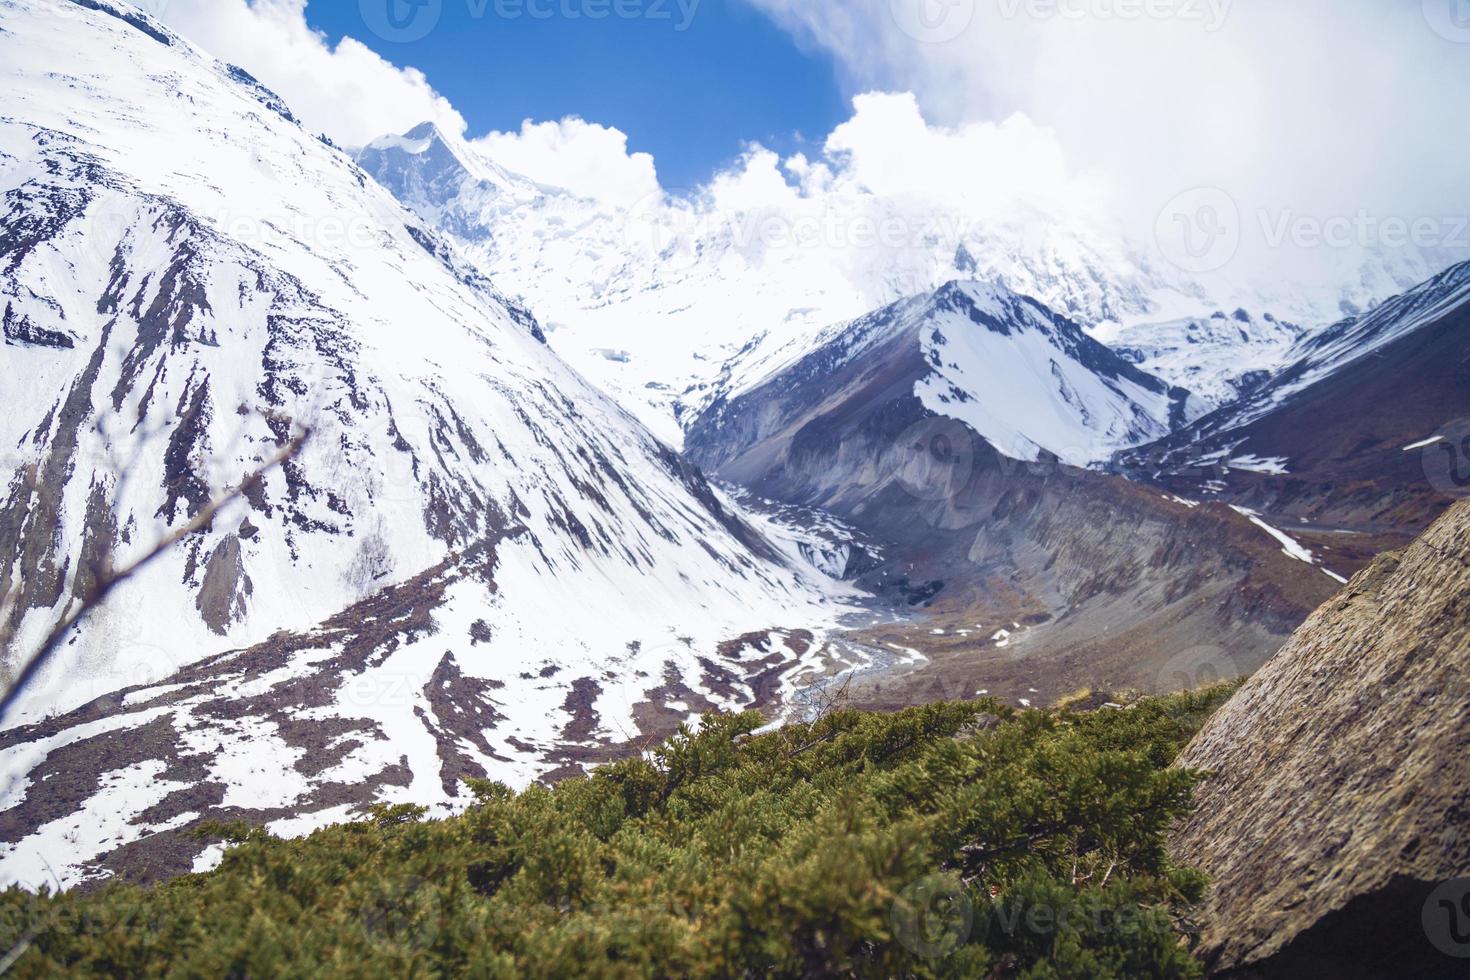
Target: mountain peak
[(425, 138), (429, 170), (426, 130)]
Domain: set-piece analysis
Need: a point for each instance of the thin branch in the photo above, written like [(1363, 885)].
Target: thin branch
[(109, 580)]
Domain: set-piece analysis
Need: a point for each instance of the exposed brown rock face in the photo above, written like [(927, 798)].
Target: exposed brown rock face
[(1339, 805), (222, 596)]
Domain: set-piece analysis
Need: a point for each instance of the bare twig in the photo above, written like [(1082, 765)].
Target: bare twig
[(108, 580)]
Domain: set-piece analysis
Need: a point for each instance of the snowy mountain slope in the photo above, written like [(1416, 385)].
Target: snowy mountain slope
[(1027, 380), (1348, 433), (1321, 354), (1218, 358), (186, 278)]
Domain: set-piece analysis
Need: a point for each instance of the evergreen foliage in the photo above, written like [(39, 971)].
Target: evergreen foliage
[(951, 840)]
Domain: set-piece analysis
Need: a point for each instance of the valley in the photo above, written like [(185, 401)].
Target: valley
[(569, 479)]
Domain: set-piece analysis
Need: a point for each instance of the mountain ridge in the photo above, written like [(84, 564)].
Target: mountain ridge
[(1360, 433), (676, 300), (1029, 578)]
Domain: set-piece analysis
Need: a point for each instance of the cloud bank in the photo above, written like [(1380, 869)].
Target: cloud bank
[(1280, 140), (586, 158), (1324, 107), (348, 91)]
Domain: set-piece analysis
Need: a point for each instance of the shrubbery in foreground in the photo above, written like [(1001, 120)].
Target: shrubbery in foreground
[(954, 840)]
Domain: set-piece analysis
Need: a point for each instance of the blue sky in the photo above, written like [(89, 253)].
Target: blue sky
[(691, 98)]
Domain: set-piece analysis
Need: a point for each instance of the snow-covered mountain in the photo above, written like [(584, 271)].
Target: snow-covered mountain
[(936, 429), (1360, 430), (1218, 358), (672, 303), (187, 279), (676, 301), (1024, 378)]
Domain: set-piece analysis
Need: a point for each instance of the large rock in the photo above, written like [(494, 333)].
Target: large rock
[(1336, 823)]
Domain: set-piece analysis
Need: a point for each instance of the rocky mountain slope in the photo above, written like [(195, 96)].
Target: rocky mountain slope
[(188, 279), (1363, 431), (1034, 578), (1334, 824)]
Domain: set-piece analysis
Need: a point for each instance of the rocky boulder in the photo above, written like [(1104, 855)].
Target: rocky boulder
[(1335, 824)]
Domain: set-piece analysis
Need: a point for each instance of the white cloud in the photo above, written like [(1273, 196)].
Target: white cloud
[(887, 163), (889, 149), (755, 183), (882, 208), (586, 158), (346, 91), (1317, 107)]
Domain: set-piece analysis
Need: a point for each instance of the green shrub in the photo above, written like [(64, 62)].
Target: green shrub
[(952, 840)]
